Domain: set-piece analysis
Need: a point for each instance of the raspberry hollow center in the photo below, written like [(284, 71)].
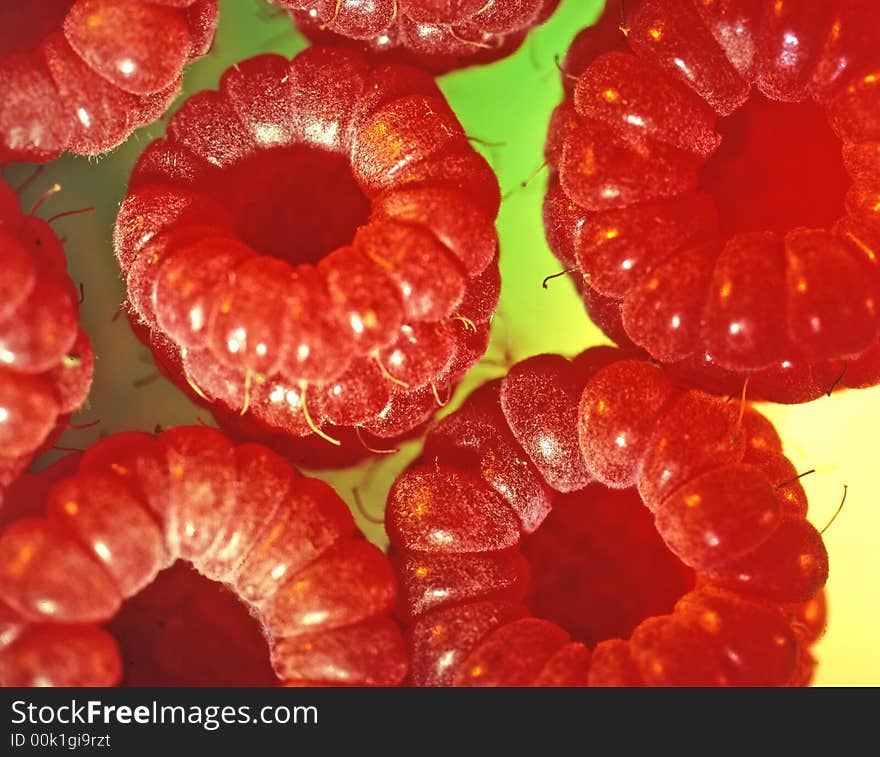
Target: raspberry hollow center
[(298, 203), (186, 630), (779, 166), (26, 23), (599, 567)]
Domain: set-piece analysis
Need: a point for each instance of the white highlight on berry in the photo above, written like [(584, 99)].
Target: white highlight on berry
[(733, 656), (196, 318), (83, 116), (426, 32), (314, 618), (103, 550), (323, 134), (126, 66), (4, 414), (683, 67), (548, 446), (441, 537), (446, 659), (236, 342), (7, 636), (278, 571), (269, 134), (47, 606), (790, 43), (6, 356)]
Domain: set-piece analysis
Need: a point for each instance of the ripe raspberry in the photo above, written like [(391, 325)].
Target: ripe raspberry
[(696, 188), (532, 476), (312, 247), (81, 75), (438, 35), (285, 545), (46, 359)]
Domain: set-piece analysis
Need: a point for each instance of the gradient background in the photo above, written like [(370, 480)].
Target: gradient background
[(508, 104)]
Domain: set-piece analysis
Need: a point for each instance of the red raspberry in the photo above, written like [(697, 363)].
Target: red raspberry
[(285, 545), (46, 359), (81, 75), (313, 247), (696, 189), (438, 35), (515, 483)]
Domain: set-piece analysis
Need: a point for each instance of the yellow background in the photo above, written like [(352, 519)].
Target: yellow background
[(506, 103)]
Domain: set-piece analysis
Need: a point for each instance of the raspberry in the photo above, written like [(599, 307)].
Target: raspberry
[(285, 545), (82, 75), (46, 359), (523, 507), (438, 35), (382, 302), (677, 190)]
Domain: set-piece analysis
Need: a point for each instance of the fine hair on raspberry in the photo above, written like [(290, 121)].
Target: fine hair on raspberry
[(82, 75), (285, 545), (311, 249), (699, 195), (585, 522)]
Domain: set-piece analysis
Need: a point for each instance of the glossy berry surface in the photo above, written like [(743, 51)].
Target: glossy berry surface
[(699, 191), (46, 359), (82, 75), (312, 250), (299, 577), (507, 103), (437, 35), (585, 522)]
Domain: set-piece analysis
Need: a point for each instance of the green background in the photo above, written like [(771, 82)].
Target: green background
[(506, 105)]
